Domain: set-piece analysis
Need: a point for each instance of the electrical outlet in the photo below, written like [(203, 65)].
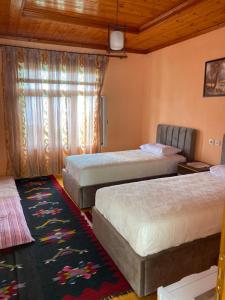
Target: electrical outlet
[(211, 142), (218, 142)]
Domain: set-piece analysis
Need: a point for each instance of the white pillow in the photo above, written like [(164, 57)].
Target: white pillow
[(218, 171), (159, 149)]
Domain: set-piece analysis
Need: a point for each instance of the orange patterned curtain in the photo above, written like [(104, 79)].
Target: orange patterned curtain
[(51, 107)]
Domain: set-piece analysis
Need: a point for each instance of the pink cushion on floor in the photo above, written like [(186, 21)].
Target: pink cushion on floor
[(13, 226), (7, 187)]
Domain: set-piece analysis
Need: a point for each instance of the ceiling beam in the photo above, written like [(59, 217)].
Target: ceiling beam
[(173, 11), (64, 43), (23, 38), (79, 19), (184, 38)]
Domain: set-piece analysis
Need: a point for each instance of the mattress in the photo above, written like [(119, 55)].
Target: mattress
[(155, 215), (91, 169)]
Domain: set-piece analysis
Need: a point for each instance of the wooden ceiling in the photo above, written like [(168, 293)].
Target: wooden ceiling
[(150, 24)]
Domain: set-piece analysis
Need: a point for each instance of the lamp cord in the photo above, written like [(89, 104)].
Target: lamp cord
[(117, 11)]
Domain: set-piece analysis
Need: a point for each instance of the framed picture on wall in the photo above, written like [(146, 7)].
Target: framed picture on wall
[(214, 83)]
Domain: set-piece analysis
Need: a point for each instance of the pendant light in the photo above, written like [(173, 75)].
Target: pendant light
[(116, 40), (116, 34)]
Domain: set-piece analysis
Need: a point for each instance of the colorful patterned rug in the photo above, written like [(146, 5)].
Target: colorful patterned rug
[(66, 261)]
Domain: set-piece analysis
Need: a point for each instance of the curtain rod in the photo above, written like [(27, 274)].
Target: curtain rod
[(98, 54)]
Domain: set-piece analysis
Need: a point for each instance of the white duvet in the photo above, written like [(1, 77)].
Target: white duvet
[(90, 169), (159, 214)]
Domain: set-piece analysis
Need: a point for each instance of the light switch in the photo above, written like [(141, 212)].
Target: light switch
[(217, 142)]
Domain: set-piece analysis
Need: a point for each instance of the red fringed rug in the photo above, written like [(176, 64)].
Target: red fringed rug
[(66, 261), (88, 216)]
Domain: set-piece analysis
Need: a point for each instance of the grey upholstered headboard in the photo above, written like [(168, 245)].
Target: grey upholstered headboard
[(223, 152), (180, 137)]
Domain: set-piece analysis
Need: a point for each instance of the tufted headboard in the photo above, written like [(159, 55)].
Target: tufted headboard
[(223, 152), (180, 137)]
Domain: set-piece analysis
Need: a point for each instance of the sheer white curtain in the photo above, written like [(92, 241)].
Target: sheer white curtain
[(52, 107)]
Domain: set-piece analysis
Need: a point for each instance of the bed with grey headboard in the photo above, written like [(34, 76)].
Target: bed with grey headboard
[(180, 137), (146, 274)]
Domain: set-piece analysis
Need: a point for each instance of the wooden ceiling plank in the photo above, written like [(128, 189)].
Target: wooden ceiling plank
[(189, 18), (16, 8), (177, 9), (4, 15), (78, 20), (131, 13)]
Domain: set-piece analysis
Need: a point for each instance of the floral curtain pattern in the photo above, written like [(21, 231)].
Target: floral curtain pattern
[(52, 107)]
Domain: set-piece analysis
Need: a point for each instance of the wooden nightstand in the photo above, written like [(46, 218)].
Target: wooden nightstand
[(192, 167)]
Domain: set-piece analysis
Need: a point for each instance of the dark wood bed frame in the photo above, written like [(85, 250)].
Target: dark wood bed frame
[(146, 274), (180, 137)]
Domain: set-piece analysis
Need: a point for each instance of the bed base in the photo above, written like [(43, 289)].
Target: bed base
[(146, 274), (84, 197)]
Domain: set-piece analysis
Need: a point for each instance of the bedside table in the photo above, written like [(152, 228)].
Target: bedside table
[(192, 167)]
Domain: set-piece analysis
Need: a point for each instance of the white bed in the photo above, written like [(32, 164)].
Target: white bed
[(84, 174), (159, 231), (158, 214), (90, 169)]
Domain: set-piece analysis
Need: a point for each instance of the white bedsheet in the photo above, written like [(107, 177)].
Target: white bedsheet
[(90, 169), (154, 215)]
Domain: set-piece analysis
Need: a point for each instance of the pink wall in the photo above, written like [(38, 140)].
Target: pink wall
[(174, 88), (124, 89)]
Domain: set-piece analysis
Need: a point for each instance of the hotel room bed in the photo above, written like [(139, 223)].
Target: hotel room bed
[(161, 230), (84, 174)]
